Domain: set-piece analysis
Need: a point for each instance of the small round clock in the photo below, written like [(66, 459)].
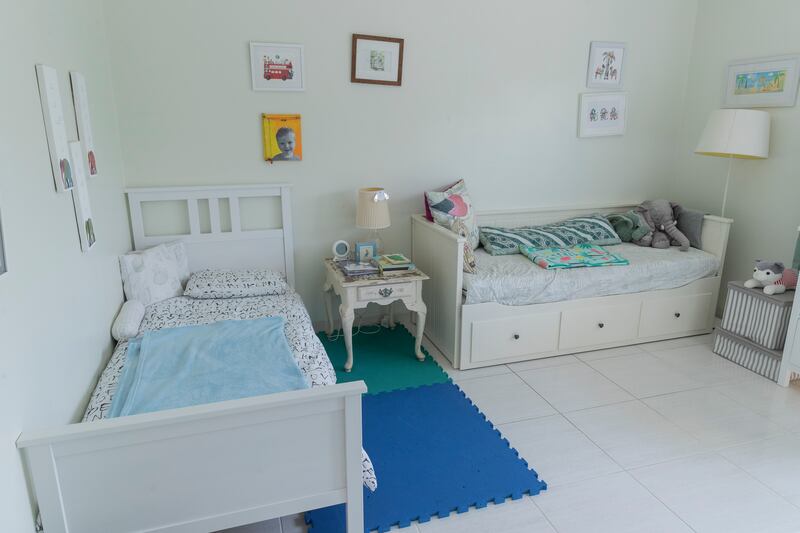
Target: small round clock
[(341, 250)]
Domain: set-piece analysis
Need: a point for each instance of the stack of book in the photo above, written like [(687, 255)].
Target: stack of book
[(391, 264), (354, 268)]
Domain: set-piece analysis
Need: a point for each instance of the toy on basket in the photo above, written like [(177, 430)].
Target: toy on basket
[(774, 277)]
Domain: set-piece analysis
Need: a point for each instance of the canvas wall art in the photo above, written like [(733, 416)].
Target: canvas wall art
[(602, 114), (606, 60), (283, 138), (377, 60), (765, 82), (80, 100), (80, 199), (53, 112), (277, 67)]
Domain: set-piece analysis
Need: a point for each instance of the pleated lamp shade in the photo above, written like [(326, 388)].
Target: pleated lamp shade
[(739, 133), (372, 210)]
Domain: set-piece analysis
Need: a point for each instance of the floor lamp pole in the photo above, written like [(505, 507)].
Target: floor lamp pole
[(727, 183)]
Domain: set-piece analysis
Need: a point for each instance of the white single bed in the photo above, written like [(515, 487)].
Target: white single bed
[(516, 280), (219, 465), (510, 315)]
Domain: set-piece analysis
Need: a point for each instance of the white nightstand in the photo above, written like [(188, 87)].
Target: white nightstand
[(357, 293)]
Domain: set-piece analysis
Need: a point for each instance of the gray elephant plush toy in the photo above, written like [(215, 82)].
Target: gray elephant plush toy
[(664, 232)]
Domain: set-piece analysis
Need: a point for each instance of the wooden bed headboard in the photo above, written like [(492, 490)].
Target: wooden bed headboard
[(209, 220)]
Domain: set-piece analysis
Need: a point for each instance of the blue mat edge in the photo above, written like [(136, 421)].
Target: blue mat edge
[(480, 504)]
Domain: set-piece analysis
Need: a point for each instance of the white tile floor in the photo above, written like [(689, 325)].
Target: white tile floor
[(661, 437)]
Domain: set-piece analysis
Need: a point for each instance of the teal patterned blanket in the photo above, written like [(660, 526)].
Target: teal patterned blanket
[(578, 256)]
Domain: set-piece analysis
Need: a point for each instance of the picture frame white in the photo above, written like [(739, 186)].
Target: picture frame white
[(53, 113), (761, 76), (80, 99), (277, 66), (605, 68), (80, 199), (609, 117)]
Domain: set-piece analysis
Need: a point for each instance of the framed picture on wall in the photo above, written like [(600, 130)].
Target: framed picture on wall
[(606, 60), (277, 67), (377, 60), (80, 200), (283, 137), (3, 265), (602, 114), (50, 95), (764, 82), (80, 100)]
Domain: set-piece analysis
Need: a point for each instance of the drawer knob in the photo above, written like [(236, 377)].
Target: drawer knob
[(386, 292), (677, 315), (601, 325), (516, 336)]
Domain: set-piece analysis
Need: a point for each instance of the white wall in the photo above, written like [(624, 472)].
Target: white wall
[(490, 94), (56, 304), (763, 197)]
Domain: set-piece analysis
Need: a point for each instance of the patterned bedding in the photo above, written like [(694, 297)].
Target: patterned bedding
[(184, 311)]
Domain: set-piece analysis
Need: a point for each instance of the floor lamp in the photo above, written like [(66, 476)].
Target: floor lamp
[(735, 133)]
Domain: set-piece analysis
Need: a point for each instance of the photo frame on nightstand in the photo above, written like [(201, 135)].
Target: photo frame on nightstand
[(366, 251)]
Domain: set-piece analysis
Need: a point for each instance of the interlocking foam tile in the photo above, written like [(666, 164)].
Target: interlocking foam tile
[(434, 453)]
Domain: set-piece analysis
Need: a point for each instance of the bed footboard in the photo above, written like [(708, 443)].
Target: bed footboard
[(203, 468), (440, 254)]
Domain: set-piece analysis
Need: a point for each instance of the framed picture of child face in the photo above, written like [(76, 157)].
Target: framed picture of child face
[(377, 60), (283, 138), (277, 67)]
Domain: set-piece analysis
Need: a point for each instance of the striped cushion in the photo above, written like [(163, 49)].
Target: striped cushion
[(594, 229)]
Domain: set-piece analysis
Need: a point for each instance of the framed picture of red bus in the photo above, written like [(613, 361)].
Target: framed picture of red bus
[(277, 67)]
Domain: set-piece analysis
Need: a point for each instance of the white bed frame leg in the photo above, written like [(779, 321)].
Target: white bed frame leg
[(355, 490)]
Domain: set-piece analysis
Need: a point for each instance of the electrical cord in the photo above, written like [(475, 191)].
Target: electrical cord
[(363, 330)]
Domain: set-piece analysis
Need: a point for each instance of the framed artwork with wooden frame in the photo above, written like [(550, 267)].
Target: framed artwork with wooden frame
[(377, 60)]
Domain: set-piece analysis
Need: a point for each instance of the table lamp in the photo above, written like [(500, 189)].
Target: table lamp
[(372, 212), (735, 133)]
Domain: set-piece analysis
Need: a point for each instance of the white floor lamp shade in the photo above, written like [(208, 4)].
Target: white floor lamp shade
[(735, 133)]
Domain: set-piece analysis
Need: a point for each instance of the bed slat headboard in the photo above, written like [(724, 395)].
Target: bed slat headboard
[(224, 244)]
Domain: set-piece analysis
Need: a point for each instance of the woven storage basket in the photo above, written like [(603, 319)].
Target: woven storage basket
[(756, 316), (748, 354)]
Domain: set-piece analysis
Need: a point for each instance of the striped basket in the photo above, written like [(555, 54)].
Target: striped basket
[(746, 353), (756, 316)]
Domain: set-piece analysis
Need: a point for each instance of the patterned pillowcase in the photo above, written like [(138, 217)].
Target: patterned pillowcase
[(452, 205), (151, 275), (594, 229), (181, 259), (235, 284)]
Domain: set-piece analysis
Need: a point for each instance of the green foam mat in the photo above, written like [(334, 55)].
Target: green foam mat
[(384, 360)]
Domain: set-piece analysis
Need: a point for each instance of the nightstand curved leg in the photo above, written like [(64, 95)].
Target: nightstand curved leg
[(421, 311), (347, 316), (391, 315), (326, 293)]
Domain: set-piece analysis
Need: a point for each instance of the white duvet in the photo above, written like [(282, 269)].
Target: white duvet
[(516, 280), (306, 348)]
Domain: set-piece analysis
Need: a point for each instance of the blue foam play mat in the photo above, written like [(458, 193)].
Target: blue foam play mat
[(434, 453)]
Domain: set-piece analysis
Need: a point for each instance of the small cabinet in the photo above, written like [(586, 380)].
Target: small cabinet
[(676, 314), (599, 324), (514, 337)]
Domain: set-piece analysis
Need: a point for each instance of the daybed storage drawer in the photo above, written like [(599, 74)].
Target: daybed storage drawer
[(385, 291), (514, 337), (599, 325), (662, 316)]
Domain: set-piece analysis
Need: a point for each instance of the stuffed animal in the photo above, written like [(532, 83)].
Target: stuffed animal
[(660, 217), (774, 277)]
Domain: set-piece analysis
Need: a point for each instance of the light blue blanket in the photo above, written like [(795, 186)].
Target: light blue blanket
[(192, 365)]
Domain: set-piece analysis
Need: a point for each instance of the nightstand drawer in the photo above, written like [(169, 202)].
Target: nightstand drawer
[(389, 291)]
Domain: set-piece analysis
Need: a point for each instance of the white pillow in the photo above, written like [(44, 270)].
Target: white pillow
[(235, 284), (182, 260), (129, 318), (152, 275)]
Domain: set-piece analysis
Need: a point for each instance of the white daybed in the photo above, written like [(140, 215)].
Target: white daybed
[(213, 466), (495, 325)]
